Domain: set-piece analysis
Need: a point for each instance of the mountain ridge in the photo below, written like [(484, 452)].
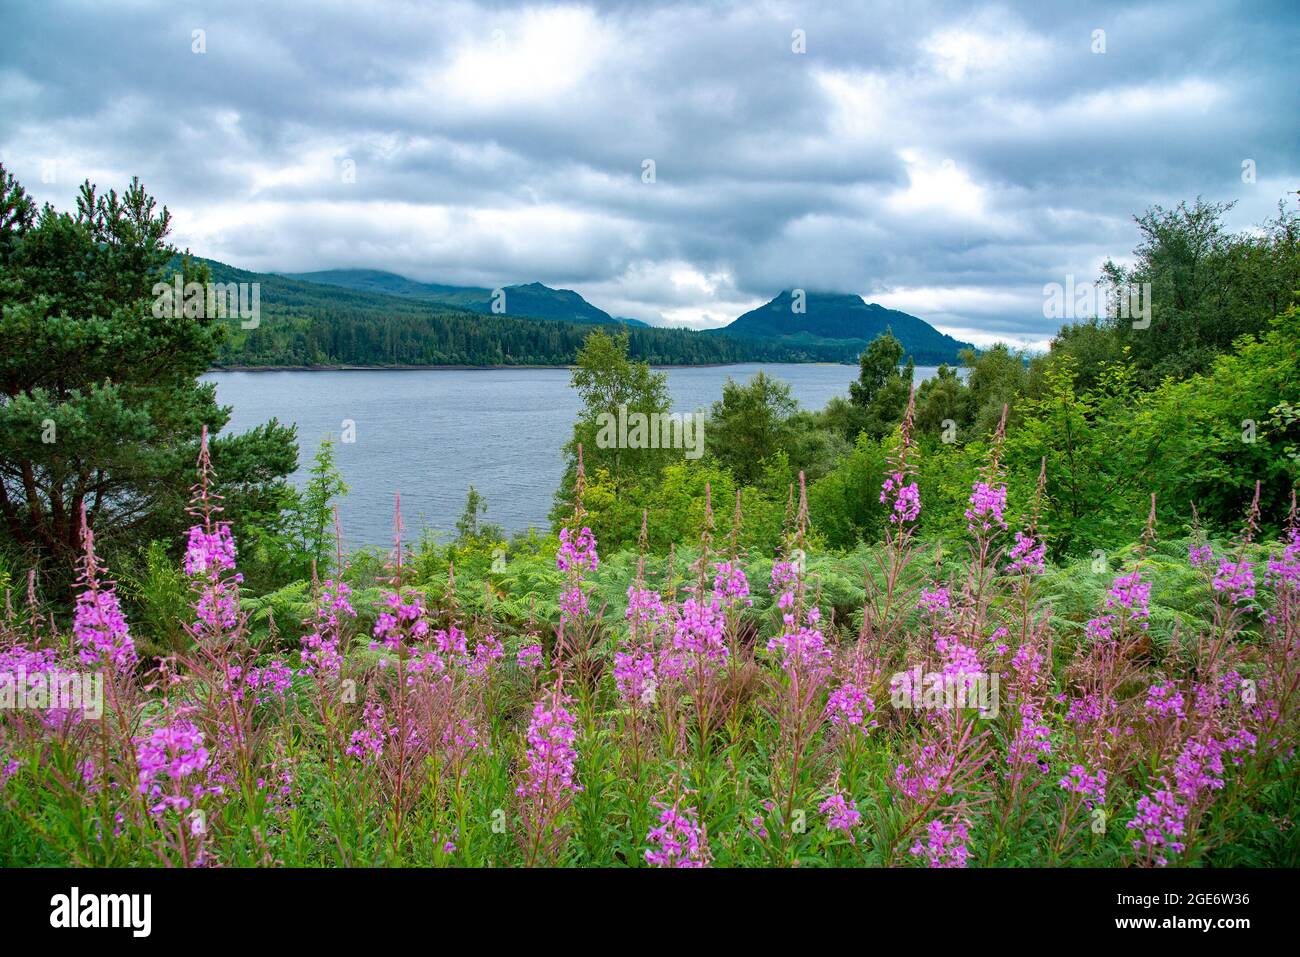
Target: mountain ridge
[(534, 300), (305, 324), (842, 318), (835, 320), (832, 327)]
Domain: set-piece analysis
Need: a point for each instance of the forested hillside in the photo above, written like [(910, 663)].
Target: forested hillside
[(309, 324), (525, 300)]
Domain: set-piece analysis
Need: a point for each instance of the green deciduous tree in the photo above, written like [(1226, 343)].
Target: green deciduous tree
[(1208, 285), (880, 392), (468, 523), (749, 424), (606, 380), (845, 505), (944, 405)]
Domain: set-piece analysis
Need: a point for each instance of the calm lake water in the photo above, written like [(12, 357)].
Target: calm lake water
[(430, 433)]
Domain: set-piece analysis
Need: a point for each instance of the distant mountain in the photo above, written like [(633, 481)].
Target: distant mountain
[(317, 324), (531, 300), (842, 319)]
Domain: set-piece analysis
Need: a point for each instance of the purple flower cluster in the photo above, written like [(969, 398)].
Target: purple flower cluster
[(679, 840), (217, 609), (848, 707), (209, 553), (403, 619), (1088, 710), (551, 757), (987, 503), (803, 650), (1027, 664), (634, 677), (577, 552), (730, 586), (698, 641), (488, 650), (785, 579), (1032, 743), (903, 499), (40, 671), (1027, 555), (168, 758), (945, 845), (935, 601), (1160, 824), (573, 604), (1237, 579), (645, 607), (961, 665), (461, 738), (101, 631), (368, 741), (272, 680), (842, 814), (320, 642), (1199, 768), (1161, 820), (529, 657), (1165, 700), (1101, 628), (929, 771), (1091, 786), (1287, 567), (17, 660), (1128, 593)]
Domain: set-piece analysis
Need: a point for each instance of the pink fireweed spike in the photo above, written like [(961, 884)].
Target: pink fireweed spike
[(900, 492), (1029, 551), (550, 764), (210, 560), (102, 635), (321, 652)]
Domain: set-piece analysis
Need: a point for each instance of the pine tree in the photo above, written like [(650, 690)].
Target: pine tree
[(100, 400)]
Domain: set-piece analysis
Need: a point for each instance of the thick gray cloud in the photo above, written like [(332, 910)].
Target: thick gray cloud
[(945, 159)]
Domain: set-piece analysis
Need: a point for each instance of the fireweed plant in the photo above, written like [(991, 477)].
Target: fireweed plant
[(729, 713)]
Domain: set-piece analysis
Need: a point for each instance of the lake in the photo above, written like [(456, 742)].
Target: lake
[(429, 433)]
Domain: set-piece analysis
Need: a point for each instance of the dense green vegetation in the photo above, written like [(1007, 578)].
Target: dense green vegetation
[(1196, 414)]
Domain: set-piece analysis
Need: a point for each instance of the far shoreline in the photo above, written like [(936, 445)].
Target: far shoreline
[(449, 368)]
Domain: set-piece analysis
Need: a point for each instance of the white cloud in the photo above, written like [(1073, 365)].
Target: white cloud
[(531, 58), (937, 187), (993, 44)]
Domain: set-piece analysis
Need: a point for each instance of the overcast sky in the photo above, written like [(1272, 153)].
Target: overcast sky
[(947, 160)]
